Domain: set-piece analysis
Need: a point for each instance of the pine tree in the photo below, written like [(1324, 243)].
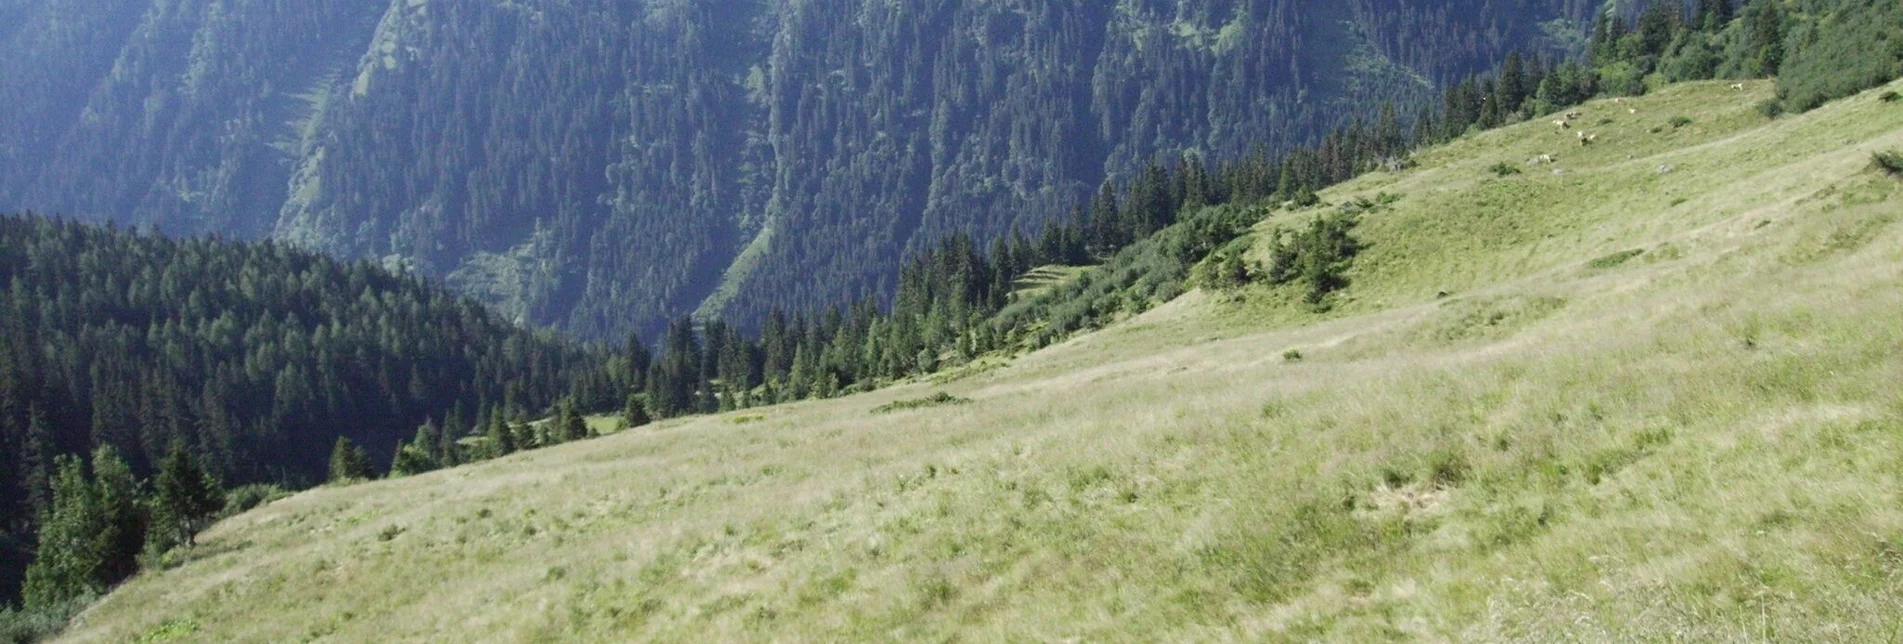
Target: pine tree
[(501, 439), (569, 423), (348, 462), (1767, 34), (414, 457), (636, 412), (68, 560), (123, 516), (186, 498)]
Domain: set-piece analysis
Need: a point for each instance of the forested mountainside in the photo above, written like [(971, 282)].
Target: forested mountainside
[(253, 358), (603, 165)]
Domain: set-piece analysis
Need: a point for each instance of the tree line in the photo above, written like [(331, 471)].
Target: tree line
[(957, 301)]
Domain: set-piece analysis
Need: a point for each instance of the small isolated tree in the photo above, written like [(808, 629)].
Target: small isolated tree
[(501, 438), (123, 516), (186, 498), (68, 562), (569, 424), (348, 462), (636, 412)]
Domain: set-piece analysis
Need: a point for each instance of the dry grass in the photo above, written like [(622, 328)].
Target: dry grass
[(1697, 443)]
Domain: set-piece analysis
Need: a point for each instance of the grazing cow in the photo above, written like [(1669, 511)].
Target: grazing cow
[(1632, 110), (1737, 87), (1562, 125), (1587, 139), (1546, 159), (1572, 116)]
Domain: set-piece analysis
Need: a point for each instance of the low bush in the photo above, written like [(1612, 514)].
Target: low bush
[(243, 498), (1504, 169), (1615, 259), (23, 626), (1890, 162), (939, 399)]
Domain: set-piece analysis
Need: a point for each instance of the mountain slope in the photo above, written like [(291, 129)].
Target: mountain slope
[(1695, 441), (606, 165)]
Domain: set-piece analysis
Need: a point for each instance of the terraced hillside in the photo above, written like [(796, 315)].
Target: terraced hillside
[(1646, 391)]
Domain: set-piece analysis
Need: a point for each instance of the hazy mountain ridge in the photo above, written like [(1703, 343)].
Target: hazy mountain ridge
[(601, 164)]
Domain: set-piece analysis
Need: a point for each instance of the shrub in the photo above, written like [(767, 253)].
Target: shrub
[(1890, 97), (1680, 121), (21, 626), (1318, 256), (1292, 355), (1615, 259), (1771, 109), (939, 399), (1504, 169), (1890, 162), (245, 497)]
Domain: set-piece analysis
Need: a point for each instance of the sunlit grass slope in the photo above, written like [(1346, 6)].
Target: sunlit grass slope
[(1702, 440)]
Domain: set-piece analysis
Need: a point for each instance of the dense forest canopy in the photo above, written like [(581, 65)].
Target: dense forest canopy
[(606, 165), (253, 358)]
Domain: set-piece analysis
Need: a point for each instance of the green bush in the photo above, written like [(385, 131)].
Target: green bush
[(1890, 162), (1680, 121), (1890, 97), (1504, 169), (245, 497), (939, 399), (1318, 256), (23, 626), (1292, 355)]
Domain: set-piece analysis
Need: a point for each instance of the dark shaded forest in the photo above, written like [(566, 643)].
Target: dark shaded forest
[(251, 358)]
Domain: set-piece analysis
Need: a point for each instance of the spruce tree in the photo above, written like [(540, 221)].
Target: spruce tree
[(186, 498), (636, 412), (569, 423), (501, 438), (348, 462), (123, 516)]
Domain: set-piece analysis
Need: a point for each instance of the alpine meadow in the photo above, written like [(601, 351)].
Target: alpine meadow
[(951, 320)]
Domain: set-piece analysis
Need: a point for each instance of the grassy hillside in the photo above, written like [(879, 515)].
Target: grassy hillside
[(1510, 427)]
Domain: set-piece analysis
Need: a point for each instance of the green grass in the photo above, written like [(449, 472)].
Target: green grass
[(1694, 443)]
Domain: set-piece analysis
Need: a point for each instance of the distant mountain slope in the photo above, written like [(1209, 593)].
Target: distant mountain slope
[(603, 164)]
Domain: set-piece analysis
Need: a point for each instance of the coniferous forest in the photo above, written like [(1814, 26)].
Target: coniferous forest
[(250, 360), (605, 166), (148, 383)]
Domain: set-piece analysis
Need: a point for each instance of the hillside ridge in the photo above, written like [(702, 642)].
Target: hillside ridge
[(1508, 426)]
